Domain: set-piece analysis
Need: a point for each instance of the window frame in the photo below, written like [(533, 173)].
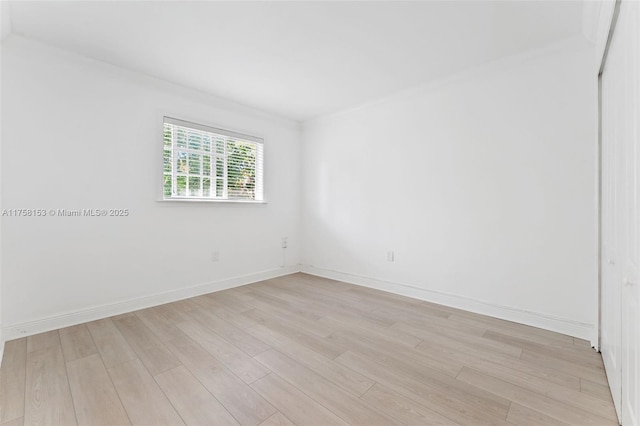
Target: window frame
[(217, 131)]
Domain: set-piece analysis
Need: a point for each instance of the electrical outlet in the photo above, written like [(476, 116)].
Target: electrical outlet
[(390, 256), (285, 243), (215, 256)]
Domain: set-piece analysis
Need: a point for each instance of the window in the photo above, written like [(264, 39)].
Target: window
[(204, 163)]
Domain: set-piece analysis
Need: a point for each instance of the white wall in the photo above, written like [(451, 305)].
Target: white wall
[(5, 20), (5, 30), (81, 134), (482, 185)]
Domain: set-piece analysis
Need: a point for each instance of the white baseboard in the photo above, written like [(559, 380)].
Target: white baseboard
[(42, 325), (535, 319)]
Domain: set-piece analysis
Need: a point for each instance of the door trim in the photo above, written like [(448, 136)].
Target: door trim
[(614, 21)]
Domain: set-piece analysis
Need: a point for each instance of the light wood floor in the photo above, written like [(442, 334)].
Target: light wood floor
[(307, 351)]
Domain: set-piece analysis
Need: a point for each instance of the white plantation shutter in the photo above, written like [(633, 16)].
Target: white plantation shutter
[(202, 162)]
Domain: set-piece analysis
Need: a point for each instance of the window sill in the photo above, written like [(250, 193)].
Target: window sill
[(207, 201)]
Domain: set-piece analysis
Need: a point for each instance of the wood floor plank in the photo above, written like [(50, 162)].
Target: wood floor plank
[(278, 419), (459, 406), (206, 301), (155, 356), (532, 400), (297, 334), (111, 344), (182, 306), (447, 311), (404, 367), (282, 298), (341, 307), (15, 422), (481, 360), (122, 316), (247, 287), (507, 327), (597, 390), (385, 298), (193, 402), (458, 342), (326, 299), (416, 312), (590, 359), (320, 301), (475, 342), (76, 342), (162, 321), (48, 397), (575, 398), (300, 315), (593, 374), (233, 358), (581, 342), (141, 396), (555, 340), (95, 399), (218, 309), (294, 404), (12, 380), (231, 301), (403, 409), (523, 416), (436, 323), (343, 322), (236, 396), (313, 280), (43, 340), (315, 291), (237, 337), (346, 406), (392, 305), (325, 290), (342, 376), (381, 349), (311, 310)]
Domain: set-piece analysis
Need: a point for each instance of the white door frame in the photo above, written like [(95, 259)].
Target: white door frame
[(600, 165), (614, 20)]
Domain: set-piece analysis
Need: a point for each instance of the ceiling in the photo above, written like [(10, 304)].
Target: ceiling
[(298, 59)]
